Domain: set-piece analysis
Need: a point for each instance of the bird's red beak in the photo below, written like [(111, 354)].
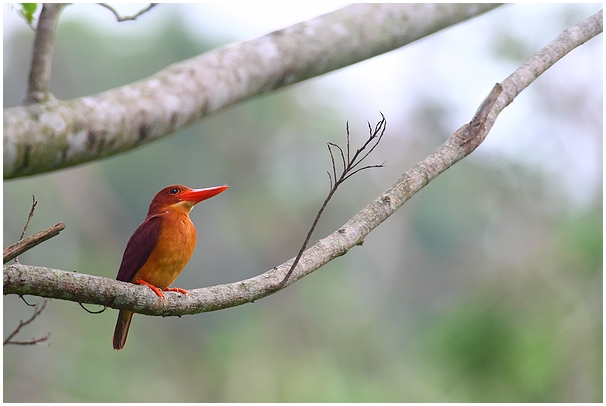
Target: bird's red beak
[(197, 195)]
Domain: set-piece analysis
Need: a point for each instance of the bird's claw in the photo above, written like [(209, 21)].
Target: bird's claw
[(185, 292)]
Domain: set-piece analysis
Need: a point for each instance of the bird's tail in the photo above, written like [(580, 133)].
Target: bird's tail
[(122, 326)]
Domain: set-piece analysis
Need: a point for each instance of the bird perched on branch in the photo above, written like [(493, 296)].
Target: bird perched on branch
[(161, 246)]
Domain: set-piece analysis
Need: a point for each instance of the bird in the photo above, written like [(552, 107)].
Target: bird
[(161, 246)]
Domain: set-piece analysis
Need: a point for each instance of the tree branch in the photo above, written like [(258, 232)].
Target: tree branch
[(545, 58), (46, 282), (42, 58), (30, 242), (82, 288), (40, 138), (8, 251), (348, 170), (128, 18), (29, 217), (9, 339)]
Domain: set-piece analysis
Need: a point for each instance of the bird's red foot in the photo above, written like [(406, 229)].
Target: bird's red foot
[(156, 289), (185, 292)]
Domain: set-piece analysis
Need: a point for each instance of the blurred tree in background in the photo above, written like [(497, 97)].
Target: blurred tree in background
[(486, 286)]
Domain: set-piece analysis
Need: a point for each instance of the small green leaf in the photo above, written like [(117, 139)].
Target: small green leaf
[(28, 10)]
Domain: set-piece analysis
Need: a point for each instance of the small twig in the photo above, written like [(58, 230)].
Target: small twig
[(348, 170), (131, 18), (32, 341), (34, 305), (91, 311), (29, 217), (30, 242), (22, 323)]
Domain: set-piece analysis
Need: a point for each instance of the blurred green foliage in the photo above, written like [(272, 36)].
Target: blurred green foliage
[(27, 11), (486, 286)]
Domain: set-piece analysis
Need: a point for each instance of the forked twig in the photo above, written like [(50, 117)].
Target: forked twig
[(12, 252), (22, 323), (350, 167), (128, 18)]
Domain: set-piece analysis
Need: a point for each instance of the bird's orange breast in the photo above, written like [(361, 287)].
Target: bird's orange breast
[(174, 247)]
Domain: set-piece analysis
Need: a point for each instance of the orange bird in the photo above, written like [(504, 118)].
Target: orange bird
[(160, 247)]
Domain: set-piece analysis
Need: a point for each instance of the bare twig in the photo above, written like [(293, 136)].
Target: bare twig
[(131, 18), (34, 305), (32, 341), (348, 170), (42, 58), (29, 217), (22, 323), (30, 242), (91, 311)]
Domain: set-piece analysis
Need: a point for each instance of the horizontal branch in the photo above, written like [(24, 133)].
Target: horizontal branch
[(82, 288), (46, 282), (43, 137)]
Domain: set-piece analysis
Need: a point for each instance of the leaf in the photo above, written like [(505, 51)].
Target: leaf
[(28, 10)]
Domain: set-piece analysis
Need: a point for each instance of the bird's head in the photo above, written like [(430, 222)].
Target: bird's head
[(181, 198)]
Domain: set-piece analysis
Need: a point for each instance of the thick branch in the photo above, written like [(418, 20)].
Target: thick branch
[(39, 281), (41, 138), (42, 58)]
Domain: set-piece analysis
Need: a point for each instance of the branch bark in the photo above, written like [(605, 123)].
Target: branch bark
[(18, 248), (54, 283), (39, 138)]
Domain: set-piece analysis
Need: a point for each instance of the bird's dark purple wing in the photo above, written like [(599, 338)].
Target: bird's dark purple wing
[(139, 247)]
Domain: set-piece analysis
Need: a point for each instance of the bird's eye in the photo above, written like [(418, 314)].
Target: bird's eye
[(173, 191)]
